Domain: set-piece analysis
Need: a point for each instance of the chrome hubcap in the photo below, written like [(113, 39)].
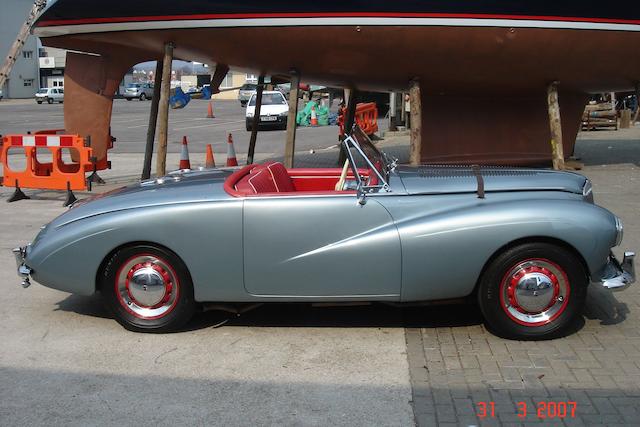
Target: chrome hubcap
[(535, 292), (147, 287)]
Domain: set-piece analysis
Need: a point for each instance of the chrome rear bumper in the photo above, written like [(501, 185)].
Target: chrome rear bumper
[(24, 272), (618, 275)]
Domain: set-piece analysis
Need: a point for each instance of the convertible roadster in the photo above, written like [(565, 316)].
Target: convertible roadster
[(524, 243)]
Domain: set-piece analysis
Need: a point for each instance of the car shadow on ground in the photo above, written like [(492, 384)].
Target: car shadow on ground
[(366, 316), (601, 305)]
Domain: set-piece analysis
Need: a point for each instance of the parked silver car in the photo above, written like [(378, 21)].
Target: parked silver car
[(50, 95), (245, 93), (141, 91), (523, 243)]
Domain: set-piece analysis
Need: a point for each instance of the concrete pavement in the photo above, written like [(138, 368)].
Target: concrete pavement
[(63, 362)]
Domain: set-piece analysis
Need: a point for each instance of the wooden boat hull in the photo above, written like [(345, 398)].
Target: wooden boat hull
[(487, 69)]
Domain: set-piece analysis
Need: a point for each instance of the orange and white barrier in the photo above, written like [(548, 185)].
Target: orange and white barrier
[(210, 114), (184, 155), (366, 117), (55, 175), (314, 116), (231, 152)]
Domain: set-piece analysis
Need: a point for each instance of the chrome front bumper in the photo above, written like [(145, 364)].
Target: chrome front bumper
[(23, 271), (618, 275)]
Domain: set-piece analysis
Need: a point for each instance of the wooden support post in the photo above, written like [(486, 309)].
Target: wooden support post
[(392, 111), (555, 125), (290, 147), (218, 76), (635, 118), (163, 110), (153, 121), (415, 154), (256, 120), (350, 98)]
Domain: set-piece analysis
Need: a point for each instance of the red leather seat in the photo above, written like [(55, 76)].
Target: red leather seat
[(266, 178), (280, 177)]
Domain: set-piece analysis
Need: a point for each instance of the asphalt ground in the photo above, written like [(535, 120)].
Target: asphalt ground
[(130, 122), (64, 362)]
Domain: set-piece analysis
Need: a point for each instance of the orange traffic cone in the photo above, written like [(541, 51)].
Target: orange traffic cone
[(231, 152), (209, 161), (314, 117), (210, 111), (184, 155)]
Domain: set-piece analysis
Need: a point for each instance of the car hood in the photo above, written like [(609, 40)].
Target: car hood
[(182, 187), (267, 110), (462, 179)]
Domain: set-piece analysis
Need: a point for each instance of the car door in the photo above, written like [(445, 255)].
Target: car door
[(320, 247)]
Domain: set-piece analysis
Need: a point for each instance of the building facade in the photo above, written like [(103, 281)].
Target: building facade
[(51, 62), (23, 81)]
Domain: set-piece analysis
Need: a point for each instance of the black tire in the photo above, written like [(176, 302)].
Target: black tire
[(177, 304), (128, 99), (500, 303), (249, 125), (143, 97), (50, 100), (39, 102)]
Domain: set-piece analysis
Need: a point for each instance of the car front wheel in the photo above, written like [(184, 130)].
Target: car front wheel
[(143, 97), (147, 289), (50, 100), (533, 291)]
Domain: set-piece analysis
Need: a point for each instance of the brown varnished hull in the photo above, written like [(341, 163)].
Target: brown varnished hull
[(484, 87)]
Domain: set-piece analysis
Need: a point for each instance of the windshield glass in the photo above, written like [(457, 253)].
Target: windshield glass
[(270, 99), (248, 86), (133, 85), (375, 156), (43, 90)]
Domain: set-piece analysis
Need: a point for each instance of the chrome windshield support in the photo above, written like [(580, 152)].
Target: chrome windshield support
[(349, 141)]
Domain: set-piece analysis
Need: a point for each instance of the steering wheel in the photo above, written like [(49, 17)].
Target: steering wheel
[(343, 176)]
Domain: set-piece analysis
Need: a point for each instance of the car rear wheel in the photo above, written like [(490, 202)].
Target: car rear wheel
[(143, 97), (50, 100), (533, 291), (39, 102), (148, 289)]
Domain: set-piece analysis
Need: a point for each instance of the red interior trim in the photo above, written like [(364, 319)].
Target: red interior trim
[(149, 18), (307, 182)]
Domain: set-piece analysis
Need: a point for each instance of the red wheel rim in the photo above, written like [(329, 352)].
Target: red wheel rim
[(534, 292), (147, 286)]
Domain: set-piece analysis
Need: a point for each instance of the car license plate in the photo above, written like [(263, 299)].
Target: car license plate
[(268, 118)]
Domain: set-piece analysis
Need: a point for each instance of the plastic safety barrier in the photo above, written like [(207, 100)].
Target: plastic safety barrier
[(366, 117), (54, 175)]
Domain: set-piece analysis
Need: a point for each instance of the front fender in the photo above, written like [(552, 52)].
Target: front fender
[(207, 236), (447, 240)]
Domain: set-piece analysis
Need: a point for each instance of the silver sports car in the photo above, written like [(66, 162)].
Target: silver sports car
[(523, 243)]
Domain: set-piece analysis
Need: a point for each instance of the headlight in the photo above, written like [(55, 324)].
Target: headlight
[(587, 191), (619, 231), (249, 114), (284, 113)]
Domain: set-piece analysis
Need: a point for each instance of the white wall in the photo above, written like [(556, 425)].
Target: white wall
[(13, 13)]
